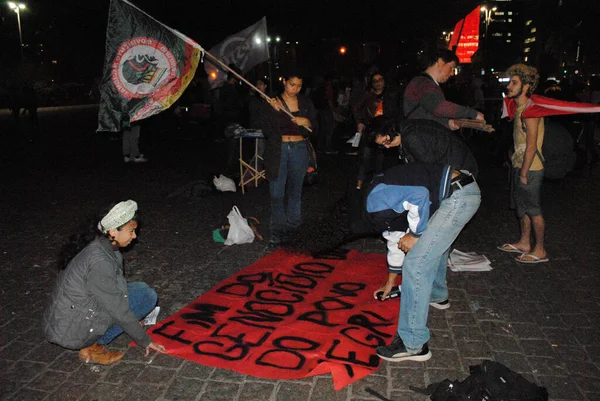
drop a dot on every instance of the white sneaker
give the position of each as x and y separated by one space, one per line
140 159
126 159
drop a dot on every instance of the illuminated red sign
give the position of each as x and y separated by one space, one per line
465 39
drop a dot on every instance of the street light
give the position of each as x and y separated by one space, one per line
17 8
487 18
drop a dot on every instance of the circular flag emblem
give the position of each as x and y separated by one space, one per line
142 65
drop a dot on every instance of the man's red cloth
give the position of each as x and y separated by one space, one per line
542 106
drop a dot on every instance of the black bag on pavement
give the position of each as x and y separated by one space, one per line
490 381
311 173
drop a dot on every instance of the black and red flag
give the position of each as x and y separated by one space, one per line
147 66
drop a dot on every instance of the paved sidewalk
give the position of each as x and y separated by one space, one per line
542 321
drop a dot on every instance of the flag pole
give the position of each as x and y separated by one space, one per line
265 96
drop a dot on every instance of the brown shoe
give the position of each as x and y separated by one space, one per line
99 354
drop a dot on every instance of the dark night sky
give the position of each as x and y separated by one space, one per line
76 28
208 22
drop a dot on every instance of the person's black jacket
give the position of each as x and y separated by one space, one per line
430 142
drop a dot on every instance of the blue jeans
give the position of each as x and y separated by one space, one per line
142 300
292 169
424 270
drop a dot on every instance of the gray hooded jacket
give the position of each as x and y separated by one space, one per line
89 297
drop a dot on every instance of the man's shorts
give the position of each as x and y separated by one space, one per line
527 197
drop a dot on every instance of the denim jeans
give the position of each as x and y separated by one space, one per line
292 169
142 300
424 270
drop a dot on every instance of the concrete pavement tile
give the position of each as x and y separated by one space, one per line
48 381
45 352
90 373
438 322
5 364
255 391
24 371
103 392
16 350
402 377
537 348
67 362
123 372
439 375
459 306
572 353
527 330
467 333
142 392
586 335
575 320
473 349
216 391
516 362
594 352
156 375
68 392
27 394
560 387
560 337
461 319
377 383
503 343
547 366
8 387
497 327
227 376
184 389
195 370
408 396
587 385
578 368
548 320
167 361
32 336
441 339
448 359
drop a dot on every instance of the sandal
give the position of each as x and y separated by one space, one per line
510 248
532 259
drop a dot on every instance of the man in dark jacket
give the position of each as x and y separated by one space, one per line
426 141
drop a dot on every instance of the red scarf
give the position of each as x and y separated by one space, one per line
541 106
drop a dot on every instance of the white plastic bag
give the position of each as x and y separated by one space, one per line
224 183
239 230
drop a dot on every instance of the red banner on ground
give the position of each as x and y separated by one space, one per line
288 317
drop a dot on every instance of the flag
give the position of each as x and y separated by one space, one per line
466 36
542 106
147 66
245 49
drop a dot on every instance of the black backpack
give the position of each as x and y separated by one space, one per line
490 381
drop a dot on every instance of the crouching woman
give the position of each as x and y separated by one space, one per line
91 302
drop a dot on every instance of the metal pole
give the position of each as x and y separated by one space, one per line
20 35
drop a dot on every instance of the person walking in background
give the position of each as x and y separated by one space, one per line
424 99
376 102
257 106
324 100
528 167
286 155
231 107
131 140
91 302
